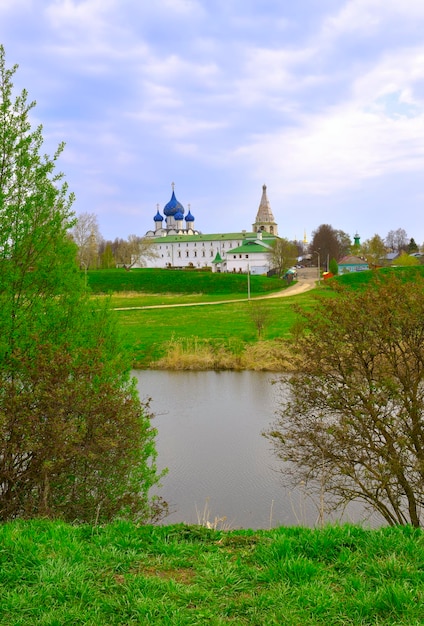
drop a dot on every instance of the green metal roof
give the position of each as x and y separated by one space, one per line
216 237
251 247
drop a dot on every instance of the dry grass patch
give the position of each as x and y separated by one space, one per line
200 355
271 356
183 575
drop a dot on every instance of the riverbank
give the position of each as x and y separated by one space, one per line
166 332
122 574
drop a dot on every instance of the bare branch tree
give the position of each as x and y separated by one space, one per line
87 236
397 240
355 418
135 251
260 315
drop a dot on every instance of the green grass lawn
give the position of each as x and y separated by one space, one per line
55 574
148 333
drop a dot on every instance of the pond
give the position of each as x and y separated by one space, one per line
210 428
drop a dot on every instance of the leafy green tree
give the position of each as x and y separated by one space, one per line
374 250
75 440
412 246
406 260
353 426
334 268
284 254
107 260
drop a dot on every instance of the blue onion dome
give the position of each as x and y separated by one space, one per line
173 206
179 215
158 217
189 217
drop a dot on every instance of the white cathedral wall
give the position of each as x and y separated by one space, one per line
185 254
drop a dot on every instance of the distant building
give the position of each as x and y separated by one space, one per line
388 258
352 263
180 245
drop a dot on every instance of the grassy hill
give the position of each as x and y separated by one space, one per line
357 280
163 281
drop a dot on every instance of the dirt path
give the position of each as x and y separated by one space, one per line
306 280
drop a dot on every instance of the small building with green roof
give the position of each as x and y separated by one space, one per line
352 263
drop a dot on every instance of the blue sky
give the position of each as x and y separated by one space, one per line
321 100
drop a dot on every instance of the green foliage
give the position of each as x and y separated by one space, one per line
107 260
406 260
284 255
75 441
122 574
354 426
374 250
412 246
334 268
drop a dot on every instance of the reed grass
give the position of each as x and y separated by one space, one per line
197 354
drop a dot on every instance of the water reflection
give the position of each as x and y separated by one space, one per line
209 436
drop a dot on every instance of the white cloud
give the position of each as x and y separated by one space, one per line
86 13
367 17
268 71
11 6
174 68
337 151
399 71
183 7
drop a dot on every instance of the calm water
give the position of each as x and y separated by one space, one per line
209 436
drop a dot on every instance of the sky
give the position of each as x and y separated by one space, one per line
321 100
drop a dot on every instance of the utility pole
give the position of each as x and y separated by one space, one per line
319 267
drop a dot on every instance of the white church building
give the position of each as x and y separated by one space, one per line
179 244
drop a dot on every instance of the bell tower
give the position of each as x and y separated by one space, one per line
265 221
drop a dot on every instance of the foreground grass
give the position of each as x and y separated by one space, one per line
56 574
